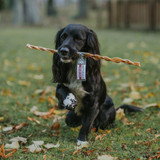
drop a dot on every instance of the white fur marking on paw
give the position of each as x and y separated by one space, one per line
82 144
69 99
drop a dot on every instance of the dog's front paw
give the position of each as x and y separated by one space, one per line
70 102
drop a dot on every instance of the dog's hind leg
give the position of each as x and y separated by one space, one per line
72 120
106 115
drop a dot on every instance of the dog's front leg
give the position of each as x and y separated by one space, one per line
66 98
88 120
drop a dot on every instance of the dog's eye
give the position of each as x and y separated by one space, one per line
63 37
78 39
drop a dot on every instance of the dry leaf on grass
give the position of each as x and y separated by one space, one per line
5 129
17 139
12 145
77 151
34 108
50 145
120 114
1 119
34 148
127 100
100 136
2 152
151 105
106 157
21 125
77 129
134 95
38 113
33 120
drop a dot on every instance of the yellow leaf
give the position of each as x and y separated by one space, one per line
77 129
134 95
1 119
119 113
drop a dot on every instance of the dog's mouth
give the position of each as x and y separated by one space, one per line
66 60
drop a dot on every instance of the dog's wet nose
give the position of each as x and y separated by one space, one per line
64 51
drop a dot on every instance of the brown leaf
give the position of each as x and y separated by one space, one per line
88 152
100 136
56 125
21 125
77 151
33 120
149 129
117 129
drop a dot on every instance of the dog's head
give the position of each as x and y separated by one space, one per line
69 40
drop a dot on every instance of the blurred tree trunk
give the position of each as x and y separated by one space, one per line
31 12
2 5
51 9
83 5
17 12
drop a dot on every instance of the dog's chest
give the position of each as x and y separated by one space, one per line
75 87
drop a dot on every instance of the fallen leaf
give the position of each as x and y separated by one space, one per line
106 157
117 129
17 139
77 151
149 129
21 125
127 100
119 113
56 124
34 108
38 113
76 129
88 152
50 145
51 100
134 95
33 148
104 131
100 136
5 129
157 135
33 120
1 119
2 152
38 143
12 145
151 105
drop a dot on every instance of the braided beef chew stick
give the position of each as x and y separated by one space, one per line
94 56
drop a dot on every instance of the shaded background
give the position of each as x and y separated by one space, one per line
124 14
53 13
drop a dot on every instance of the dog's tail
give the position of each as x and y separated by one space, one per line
130 108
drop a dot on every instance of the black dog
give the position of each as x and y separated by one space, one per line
87 101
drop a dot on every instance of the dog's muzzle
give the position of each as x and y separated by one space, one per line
64 53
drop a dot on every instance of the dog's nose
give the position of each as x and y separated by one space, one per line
64 51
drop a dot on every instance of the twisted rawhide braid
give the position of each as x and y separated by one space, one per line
94 56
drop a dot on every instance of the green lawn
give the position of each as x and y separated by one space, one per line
23 71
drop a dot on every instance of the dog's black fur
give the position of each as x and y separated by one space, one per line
87 101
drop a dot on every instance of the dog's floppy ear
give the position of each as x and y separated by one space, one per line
58 68
92 42
57 38
92 45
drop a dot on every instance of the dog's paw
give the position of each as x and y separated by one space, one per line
82 144
70 102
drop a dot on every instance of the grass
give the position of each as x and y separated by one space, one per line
19 66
